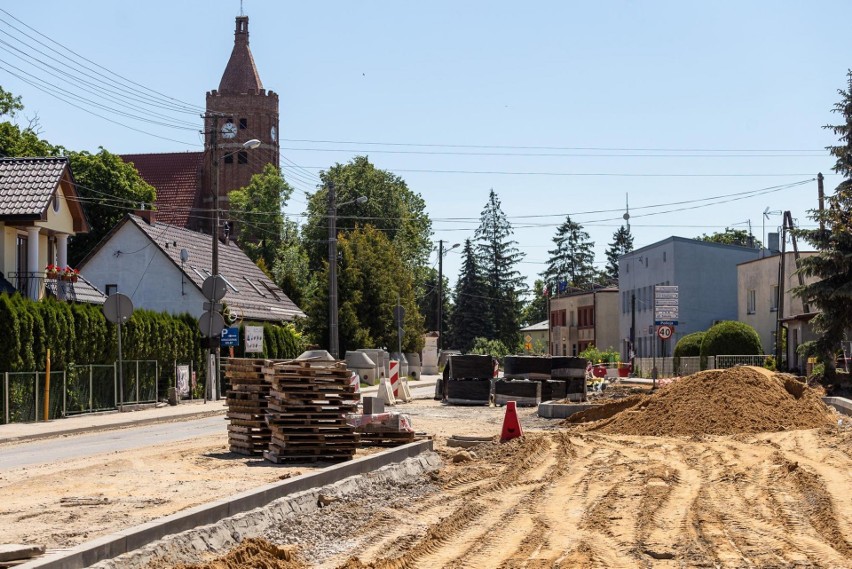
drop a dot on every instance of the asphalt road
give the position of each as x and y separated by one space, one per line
89 444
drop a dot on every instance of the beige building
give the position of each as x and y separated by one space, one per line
758 303
581 319
538 335
39 212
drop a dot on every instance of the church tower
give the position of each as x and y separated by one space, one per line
241 110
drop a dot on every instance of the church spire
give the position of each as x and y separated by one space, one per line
240 74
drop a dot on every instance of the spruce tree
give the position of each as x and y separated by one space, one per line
572 261
497 256
470 317
831 293
622 243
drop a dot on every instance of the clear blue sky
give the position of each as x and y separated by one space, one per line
751 82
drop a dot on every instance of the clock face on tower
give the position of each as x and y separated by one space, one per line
273 133
229 130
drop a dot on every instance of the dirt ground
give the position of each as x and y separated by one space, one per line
563 496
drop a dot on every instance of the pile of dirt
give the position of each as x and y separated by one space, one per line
605 410
720 402
254 553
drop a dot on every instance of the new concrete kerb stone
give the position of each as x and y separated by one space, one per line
133 538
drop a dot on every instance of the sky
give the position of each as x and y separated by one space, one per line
702 115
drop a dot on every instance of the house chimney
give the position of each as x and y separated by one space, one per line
149 215
772 242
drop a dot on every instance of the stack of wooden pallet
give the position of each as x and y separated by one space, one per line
248 432
383 429
307 411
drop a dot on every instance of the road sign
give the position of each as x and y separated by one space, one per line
211 324
214 287
230 337
118 308
398 315
663 323
527 338
665 332
254 339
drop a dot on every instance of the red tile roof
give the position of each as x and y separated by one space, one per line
177 178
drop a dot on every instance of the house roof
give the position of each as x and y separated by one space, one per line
176 176
251 294
537 327
240 74
699 242
28 184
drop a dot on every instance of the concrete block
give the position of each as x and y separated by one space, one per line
843 405
551 410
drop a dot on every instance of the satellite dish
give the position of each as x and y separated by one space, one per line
184 255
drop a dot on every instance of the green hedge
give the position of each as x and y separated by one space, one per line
687 347
79 334
730 338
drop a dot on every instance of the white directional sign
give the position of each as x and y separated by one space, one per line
666 305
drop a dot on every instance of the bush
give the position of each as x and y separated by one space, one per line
730 338
596 356
688 347
486 347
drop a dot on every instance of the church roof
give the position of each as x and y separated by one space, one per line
177 178
240 74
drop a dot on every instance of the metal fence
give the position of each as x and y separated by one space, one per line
80 389
689 365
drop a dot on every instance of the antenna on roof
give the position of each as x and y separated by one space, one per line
241 8
626 215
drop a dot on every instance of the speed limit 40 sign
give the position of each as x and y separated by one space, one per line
665 332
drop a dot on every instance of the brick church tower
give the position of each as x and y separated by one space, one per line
241 110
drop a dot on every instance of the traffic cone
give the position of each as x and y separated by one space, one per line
511 426
385 392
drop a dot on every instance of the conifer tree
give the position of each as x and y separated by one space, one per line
572 261
831 293
497 256
622 243
470 317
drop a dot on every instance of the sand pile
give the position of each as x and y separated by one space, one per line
254 553
717 402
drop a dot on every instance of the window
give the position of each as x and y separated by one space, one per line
664 256
586 317
773 298
751 301
243 124
229 159
242 157
111 289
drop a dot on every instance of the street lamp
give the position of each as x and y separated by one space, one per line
213 358
333 206
441 289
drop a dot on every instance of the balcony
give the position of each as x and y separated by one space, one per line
37 286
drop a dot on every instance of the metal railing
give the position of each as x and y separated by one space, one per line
689 365
37 285
80 389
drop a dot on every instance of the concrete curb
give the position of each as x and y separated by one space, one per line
551 410
843 405
116 544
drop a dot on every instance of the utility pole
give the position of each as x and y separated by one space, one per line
632 353
440 294
333 345
212 359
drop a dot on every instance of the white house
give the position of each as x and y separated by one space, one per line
161 267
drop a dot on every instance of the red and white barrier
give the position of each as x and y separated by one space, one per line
398 386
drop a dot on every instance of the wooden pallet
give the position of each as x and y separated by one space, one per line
306 411
387 439
246 398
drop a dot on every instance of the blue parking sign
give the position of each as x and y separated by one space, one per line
230 337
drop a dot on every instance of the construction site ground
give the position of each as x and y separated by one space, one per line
563 496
